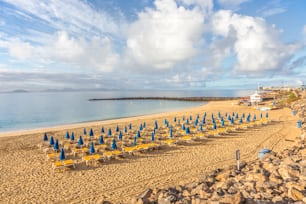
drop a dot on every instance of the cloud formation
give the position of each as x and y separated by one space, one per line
164 36
170 43
256 45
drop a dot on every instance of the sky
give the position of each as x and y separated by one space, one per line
151 44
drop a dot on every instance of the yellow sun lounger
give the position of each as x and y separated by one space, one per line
94 157
169 142
63 164
81 150
111 154
52 156
130 150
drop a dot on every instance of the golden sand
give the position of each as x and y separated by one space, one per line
26 176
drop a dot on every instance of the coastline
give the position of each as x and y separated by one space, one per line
90 123
119 179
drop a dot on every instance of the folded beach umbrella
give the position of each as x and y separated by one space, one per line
135 141
130 126
240 121
174 119
214 126
92 148
125 129
260 115
109 132
91 133
232 121
165 121
102 130
198 116
84 131
138 134
56 145
226 114
114 145
222 122
170 133
67 135
45 137
201 128
62 155
219 115
254 117
267 114
213 120
144 124
120 135
187 131
140 127
243 115
233 114
51 141
183 127
155 125
183 118
237 116
196 122
72 137
80 142
117 128
204 120
187 121
204 114
190 117
152 136
101 140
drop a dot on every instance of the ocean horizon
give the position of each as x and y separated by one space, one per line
33 110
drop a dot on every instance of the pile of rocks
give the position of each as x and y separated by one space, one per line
300 108
276 178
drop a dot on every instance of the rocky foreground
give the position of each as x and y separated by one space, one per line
275 178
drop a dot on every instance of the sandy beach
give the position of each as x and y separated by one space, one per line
27 177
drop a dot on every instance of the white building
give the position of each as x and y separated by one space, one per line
255 98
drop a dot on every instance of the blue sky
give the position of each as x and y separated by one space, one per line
151 44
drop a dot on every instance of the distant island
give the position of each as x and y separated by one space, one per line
168 98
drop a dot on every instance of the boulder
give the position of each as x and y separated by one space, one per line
295 194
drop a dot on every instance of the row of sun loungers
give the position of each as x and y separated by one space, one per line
103 154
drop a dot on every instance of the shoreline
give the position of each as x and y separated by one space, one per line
168 98
14 133
115 180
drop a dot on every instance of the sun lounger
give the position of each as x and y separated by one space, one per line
58 165
94 157
80 150
52 156
111 154
169 142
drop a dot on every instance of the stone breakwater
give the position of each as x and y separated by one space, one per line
275 178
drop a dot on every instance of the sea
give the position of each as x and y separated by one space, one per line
32 110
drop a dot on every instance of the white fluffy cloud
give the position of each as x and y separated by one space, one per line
256 45
304 30
61 47
162 37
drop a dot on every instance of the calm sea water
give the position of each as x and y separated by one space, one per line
19 111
